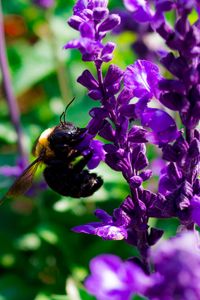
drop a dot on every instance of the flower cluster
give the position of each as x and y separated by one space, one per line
93 20
179 181
176 276
126 127
181 93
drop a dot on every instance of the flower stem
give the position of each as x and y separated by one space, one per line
63 81
9 95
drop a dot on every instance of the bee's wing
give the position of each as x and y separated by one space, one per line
24 181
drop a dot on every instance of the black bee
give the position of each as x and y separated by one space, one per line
64 171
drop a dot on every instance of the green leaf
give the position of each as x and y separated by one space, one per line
37 62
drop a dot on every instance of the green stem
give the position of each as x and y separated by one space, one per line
63 80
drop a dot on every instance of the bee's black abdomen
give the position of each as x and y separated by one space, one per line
68 183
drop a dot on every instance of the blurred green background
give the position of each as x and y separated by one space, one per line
40 257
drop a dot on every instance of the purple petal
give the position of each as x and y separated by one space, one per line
145 175
98 154
107 132
163 126
111 232
125 96
75 22
72 44
103 215
95 94
88 80
106 54
111 22
165 5
142 77
87 31
100 13
79 6
113 76
97 3
137 134
87 228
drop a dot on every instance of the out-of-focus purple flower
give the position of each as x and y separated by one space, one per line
44 3
142 77
157 165
140 46
14 171
177 279
177 266
113 279
140 9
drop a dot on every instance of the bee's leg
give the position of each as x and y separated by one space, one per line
82 162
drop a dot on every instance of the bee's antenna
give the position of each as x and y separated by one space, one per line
68 105
63 115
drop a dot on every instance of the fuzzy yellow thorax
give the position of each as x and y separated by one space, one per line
43 143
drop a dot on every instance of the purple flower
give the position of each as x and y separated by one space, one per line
177 279
163 127
107 229
93 21
116 120
44 3
182 92
113 279
177 266
14 171
128 222
142 77
93 148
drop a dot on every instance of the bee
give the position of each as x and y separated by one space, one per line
64 165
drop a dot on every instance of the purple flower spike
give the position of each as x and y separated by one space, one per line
163 127
113 279
142 77
140 9
93 20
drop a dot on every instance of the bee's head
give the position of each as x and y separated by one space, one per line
66 133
